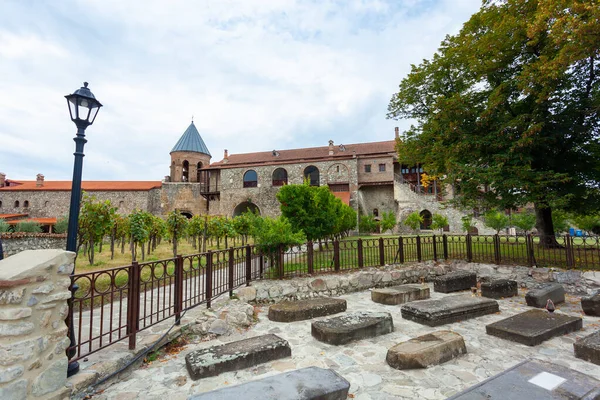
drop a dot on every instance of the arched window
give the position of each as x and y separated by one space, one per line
426 224
280 177
250 179
198 168
0 203
121 204
376 212
17 204
26 203
312 174
185 173
46 203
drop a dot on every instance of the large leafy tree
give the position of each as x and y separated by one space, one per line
512 103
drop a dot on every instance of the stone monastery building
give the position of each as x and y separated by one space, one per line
367 176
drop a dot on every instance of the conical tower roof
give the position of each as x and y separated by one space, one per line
191 141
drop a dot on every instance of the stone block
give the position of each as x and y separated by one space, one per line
588 348
591 305
534 327
431 349
448 309
236 355
8 314
16 328
532 380
15 390
310 383
499 288
10 373
288 311
454 282
539 296
53 378
400 294
351 327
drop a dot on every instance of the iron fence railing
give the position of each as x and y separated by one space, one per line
115 304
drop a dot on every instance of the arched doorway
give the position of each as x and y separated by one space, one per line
186 214
426 224
311 173
244 207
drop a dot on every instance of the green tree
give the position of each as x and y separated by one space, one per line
138 231
176 228
467 223
273 235
413 220
497 220
525 221
195 229
438 221
4 226
28 226
345 219
95 221
368 223
589 223
511 104
388 221
61 225
560 221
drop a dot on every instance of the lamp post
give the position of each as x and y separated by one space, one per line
83 108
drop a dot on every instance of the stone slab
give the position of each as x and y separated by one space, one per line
499 289
533 380
353 326
310 383
431 349
399 294
289 311
534 327
448 309
591 305
588 348
236 355
539 296
455 281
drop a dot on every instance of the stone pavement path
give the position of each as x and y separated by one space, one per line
363 362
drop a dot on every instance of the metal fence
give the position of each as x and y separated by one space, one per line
115 304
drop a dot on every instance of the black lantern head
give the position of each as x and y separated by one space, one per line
83 106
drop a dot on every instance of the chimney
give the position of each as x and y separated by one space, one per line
39 180
397 131
331 147
2 179
225 156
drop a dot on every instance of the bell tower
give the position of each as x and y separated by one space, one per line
188 156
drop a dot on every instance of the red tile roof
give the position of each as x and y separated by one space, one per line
89 186
41 221
311 154
10 216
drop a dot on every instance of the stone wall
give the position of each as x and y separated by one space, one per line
375 175
13 243
184 197
33 335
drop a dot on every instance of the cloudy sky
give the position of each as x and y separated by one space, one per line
257 75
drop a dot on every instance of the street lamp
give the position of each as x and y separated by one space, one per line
83 108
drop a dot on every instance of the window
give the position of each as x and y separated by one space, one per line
26 203
46 203
17 204
311 173
250 179
198 172
185 174
375 212
280 177
381 167
367 168
337 168
339 187
0 203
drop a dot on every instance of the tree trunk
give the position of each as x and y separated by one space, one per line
143 252
112 243
133 251
226 242
545 228
91 255
174 247
123 245
100 245
149 246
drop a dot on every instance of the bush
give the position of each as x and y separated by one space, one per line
467 223
368 224
388 221
61 225
4 226
28 226
524 221
414 220
496 220
439 221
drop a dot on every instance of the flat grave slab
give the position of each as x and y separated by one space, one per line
534 327
399 294
588 348
499 289
455 281
353 326
236 355
431 349
591 305
539 296
448 309
310 383
532 380
289 311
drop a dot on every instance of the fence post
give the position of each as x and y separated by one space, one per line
248 265
178 306
359 249
497 249
419 248
280 263
529 249
381 252
133 310
401 249
569 250
310 261
261 266
336 255
231 266
469 248
445 244
208 277
434 248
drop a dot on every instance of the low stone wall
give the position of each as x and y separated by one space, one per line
33 334
14 243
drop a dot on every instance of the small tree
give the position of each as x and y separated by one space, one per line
28 226
560 221
467 223
388 221
138 231
439 221
273 235
368 224
524 221
61 225
176 227
496 220
413 220
589 223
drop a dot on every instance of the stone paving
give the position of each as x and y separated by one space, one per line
363 362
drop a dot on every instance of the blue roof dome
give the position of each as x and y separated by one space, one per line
191 141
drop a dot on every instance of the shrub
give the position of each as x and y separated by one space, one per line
496 220
388 221
368 224
28 226
413 220
4 226
467 223
439 221
61 225
524 221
